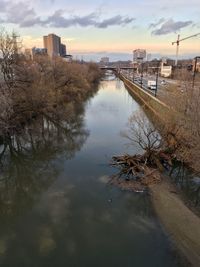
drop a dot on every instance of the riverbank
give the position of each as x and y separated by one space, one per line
52 88
179 221
178 115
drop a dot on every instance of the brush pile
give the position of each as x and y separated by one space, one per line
137 172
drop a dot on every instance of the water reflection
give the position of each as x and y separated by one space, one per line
188 182
26 160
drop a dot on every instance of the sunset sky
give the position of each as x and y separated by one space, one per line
96 28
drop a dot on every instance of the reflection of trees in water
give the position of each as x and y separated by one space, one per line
109 76
188 182
26 159
118 84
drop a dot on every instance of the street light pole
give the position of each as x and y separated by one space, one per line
157 80
141 75
133 73
195 69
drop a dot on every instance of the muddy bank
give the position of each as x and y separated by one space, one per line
179 221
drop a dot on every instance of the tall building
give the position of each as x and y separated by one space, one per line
63 50
139 55
52 43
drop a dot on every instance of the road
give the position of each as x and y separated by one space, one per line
166 87
162 82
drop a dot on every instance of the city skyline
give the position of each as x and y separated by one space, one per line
97 28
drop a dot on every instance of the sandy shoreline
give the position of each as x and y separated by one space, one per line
179 221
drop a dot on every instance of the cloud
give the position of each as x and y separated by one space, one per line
18 13
170 26
116 20
59 21
153 25
22 14
93 19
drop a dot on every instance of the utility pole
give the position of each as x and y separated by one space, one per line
141 82
195 70
157 75
177 49
129 74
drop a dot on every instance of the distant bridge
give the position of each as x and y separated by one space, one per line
117 68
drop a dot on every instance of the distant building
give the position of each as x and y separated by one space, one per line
139 55
165 71
53 45
31 53
63 50
68 58
38 52
105 60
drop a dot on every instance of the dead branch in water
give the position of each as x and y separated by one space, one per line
140 171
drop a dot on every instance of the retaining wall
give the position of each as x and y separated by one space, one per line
159 108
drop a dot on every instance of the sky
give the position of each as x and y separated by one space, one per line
97 28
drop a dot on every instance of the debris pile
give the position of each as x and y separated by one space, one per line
137 172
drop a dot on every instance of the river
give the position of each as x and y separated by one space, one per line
56 207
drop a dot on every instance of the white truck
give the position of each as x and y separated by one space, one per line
151 85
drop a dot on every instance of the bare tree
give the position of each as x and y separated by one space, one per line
184 121
144 133
9 55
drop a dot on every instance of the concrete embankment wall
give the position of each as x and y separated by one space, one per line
159 108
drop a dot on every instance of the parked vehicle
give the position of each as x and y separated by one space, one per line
136 79
140 80
163 82
151 85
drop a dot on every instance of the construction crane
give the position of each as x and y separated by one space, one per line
180 40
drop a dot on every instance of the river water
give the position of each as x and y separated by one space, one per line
56 207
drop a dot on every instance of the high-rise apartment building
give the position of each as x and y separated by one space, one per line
53 45
139 55
63 50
